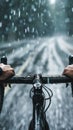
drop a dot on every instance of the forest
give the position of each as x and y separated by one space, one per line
30 18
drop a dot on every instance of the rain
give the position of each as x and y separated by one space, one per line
36 37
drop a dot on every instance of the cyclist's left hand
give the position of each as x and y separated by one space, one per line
7 71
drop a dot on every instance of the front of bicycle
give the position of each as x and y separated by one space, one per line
38 81
37 94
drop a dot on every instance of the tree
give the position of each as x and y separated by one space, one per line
69 10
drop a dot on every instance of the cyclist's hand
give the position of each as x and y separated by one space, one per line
68 71
7 71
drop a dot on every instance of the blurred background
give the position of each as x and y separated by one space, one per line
36 37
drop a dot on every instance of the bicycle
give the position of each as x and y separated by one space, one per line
39 121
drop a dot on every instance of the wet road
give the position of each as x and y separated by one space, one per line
41 55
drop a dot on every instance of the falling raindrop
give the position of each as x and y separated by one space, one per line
7 29
0 24
19 13
30 19
5 16
33 8
72 9
15 29
10 17
7 0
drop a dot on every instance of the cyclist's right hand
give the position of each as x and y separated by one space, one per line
68 71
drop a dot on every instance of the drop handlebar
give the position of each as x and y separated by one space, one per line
44 79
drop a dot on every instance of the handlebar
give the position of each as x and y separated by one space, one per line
44 80
30 80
